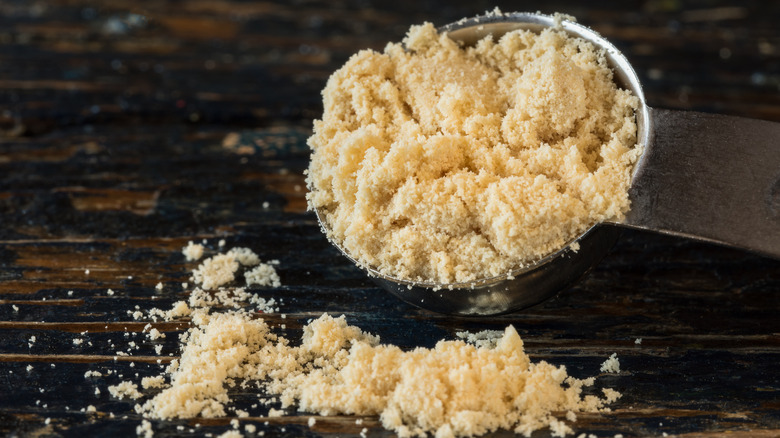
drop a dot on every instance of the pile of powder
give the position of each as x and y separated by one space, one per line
467 387
435 162
454 389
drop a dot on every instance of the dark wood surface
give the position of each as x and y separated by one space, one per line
128 128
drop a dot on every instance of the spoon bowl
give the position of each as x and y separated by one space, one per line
708 177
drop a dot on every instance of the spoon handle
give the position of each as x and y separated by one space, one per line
710 177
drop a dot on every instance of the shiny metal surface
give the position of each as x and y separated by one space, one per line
679 187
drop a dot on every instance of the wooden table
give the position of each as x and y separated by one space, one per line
129 128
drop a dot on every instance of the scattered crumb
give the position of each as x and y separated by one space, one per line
312 421
250 428
125 389
231 434
145 429
215 271
611 365
159 286
611 395
155 334
638 341
244 256
15 307
153 382
484 338
193 251
109 292
263 275
91 409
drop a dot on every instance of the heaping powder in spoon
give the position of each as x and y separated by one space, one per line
435 162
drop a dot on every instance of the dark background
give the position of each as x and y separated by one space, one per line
128 128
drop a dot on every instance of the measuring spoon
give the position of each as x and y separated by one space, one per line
706 177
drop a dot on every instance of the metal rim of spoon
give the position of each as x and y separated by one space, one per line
706 177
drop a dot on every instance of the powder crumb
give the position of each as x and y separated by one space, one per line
215 271
86 272
29 368
110 292
235 423
155 334
144 429
559 428
250 428
91 409
263 275
91 373
611 395
78 341
231 434
312 421
159 286
275 413
15 307
193 251
241 413
97 391
125 389
442 163
638 341
611 365
153 382
484 338
244 256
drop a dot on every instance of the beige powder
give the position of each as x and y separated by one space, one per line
125 389
434 162
467 387
454 389
193 251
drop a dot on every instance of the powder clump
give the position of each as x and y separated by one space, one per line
436 162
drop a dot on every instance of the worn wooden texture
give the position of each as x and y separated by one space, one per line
130 128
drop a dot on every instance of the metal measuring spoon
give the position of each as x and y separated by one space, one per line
707 177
